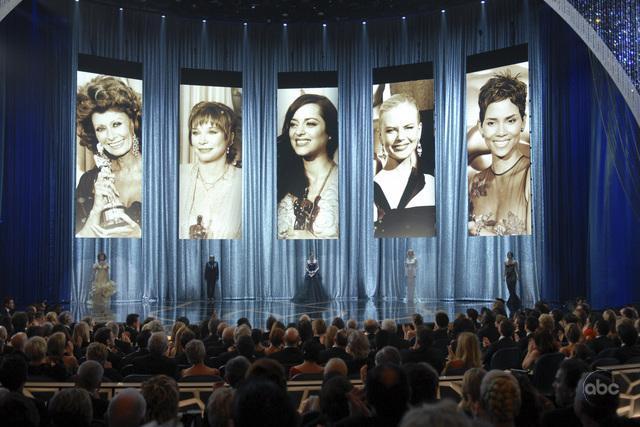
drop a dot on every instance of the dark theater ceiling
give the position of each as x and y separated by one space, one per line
286 10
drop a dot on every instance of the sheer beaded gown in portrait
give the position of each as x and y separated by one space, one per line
311 289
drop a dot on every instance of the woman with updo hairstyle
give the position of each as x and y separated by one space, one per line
211 187
500 398
108 123
500 195
307 173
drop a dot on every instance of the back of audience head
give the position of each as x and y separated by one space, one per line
18 341
259 401
305 330
97 352
19 320
269 370
442 320
567 376
17 411
389 325
424 381
245 346
36 350
338 322
335 367
195 352
161 396
471 389
441 414
126 409
388 354
276 337
424 337
90 375
627 333
291 337
370 326
358 345
500 397
71 407
544 341
352 324
387 389
157 343
506 328
13 372
235 370
334 399
599 405
219 407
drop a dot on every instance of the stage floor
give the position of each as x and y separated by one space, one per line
285 311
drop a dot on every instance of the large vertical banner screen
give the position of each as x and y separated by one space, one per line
404 151
307 187
498 143
210 155
108 148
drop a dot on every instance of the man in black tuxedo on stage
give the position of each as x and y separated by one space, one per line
211 275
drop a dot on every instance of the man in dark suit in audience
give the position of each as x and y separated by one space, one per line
132 326
601 341
156 362
629 336
423 351
564 387
290 355
488 328
441 330
505 341
370 330
142 339
530 326
394 340
338 350
225 343
212 339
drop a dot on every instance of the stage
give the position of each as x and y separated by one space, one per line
285 311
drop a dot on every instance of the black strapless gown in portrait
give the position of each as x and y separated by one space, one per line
311 289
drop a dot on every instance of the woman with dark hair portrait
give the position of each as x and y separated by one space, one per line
400 191
500 195
108 197
102 287
211 188
307 174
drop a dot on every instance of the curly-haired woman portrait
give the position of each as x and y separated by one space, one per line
308 206
211 186
500 193
109 194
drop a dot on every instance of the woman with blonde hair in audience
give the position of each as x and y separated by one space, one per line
174 340
358 348
574 336
467 355
500 398
52 317
470 402
81 339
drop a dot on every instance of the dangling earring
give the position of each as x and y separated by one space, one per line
228 149
135 149
419 149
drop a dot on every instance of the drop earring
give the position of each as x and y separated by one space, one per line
419 149
135 149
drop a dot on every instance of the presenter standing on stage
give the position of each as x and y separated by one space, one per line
102 287
311 290
511 274
211 275
410 267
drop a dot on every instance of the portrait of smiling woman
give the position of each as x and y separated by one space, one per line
308 205
500 191
211 185
109 194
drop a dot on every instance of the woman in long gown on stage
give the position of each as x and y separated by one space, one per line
102 287
511 276
311 290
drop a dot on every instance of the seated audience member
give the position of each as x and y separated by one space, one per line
276 341
319 328
370 330
423 380
142 338
219 407
388 354
81 339
290 355
89 378
470 402
105 336
352 324
628 336
358 348
530 327
259 402
126 409
132 326
235 370
18 411
532 403
335 401
16 344
388 392
423 351
335 367
330 337
19 321
212 338
310 352
70 407
564 386
13 375
601 340
98 352
438 414
507 330
156 362
467 355
185 335
499 398
488 329
269 370
339 349
391 327
196 353
574 336
441 330
256 337
57 352
39 366
542 343
161 396
121 341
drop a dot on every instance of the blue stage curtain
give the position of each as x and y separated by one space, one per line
571 252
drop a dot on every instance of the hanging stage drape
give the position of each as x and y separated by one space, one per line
39 152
